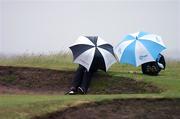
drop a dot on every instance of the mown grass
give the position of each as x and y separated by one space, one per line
26 106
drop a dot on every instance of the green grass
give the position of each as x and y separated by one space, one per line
26 106
54 61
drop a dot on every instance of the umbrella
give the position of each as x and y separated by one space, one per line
139 48
90 49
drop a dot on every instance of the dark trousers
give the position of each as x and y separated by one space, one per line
82 78
150 68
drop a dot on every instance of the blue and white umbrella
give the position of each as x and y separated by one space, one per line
93 49
139 48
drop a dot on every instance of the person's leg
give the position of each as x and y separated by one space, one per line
86 81
78 78
145 68
154 70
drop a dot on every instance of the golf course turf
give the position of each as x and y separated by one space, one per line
34 87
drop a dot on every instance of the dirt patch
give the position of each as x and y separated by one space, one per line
34 79
121 109
37 80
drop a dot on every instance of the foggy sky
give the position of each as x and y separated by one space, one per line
45 26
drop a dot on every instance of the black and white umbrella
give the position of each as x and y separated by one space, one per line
89 49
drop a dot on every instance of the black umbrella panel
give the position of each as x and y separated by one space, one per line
93 52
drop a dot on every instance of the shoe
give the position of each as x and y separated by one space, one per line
71 92
81 91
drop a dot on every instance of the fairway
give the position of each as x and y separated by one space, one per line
19 104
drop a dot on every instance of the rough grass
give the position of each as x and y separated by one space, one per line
54 61
27 106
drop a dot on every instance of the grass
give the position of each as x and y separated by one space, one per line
54 61
26 106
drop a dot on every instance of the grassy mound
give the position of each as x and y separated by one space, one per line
36 80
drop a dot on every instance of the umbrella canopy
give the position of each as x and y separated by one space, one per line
93 49
139 48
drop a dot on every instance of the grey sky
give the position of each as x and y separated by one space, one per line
45 26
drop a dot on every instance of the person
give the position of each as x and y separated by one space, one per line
153 68
81 80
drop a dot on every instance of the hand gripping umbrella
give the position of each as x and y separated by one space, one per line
139 48
90 49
